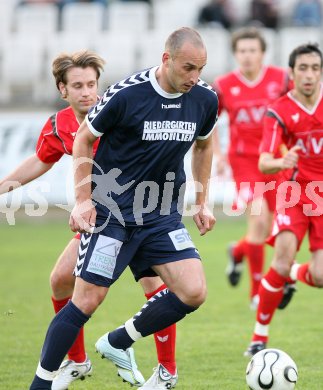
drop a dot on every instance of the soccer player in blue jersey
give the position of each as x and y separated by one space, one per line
129 203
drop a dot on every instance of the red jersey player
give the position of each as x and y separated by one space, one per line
76 77
245 94
297 120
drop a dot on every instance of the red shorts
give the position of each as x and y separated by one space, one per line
305 215
250 182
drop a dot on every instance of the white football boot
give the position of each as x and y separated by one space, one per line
123 359
161 379
69 371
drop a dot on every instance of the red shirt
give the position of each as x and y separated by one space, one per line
289 122
57 136
246 104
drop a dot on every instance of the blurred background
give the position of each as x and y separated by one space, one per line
130 36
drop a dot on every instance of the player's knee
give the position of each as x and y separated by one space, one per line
54 281
88 303
282 266
318 279
61 284
261 226
195 295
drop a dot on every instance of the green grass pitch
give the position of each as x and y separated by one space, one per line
210 342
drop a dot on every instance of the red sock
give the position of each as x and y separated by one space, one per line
165 341
77 350
304 275
239 250
270 294
256 260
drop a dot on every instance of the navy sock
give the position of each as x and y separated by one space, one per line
61 335
161 311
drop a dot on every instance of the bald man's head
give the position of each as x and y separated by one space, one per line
181 36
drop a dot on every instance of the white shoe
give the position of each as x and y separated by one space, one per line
160 379
69 372
123 359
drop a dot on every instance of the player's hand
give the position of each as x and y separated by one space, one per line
204 220
290 159
82 218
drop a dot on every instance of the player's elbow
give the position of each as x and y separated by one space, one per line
261 167
264 165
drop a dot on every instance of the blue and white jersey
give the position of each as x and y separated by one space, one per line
138 171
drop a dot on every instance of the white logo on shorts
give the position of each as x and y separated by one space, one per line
181 239
104 256
283 219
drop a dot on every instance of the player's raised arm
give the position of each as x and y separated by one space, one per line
83 215
269 164
29 170
202 153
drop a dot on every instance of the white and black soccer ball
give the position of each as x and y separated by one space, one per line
271 369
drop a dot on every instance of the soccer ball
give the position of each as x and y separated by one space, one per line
271 369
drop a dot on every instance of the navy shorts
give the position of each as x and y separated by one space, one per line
104 256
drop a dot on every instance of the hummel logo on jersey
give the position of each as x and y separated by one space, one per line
295 117
168 106
163 339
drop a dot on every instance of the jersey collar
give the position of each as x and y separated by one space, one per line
299 104
254 82
157 87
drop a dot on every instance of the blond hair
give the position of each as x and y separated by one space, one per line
78 59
